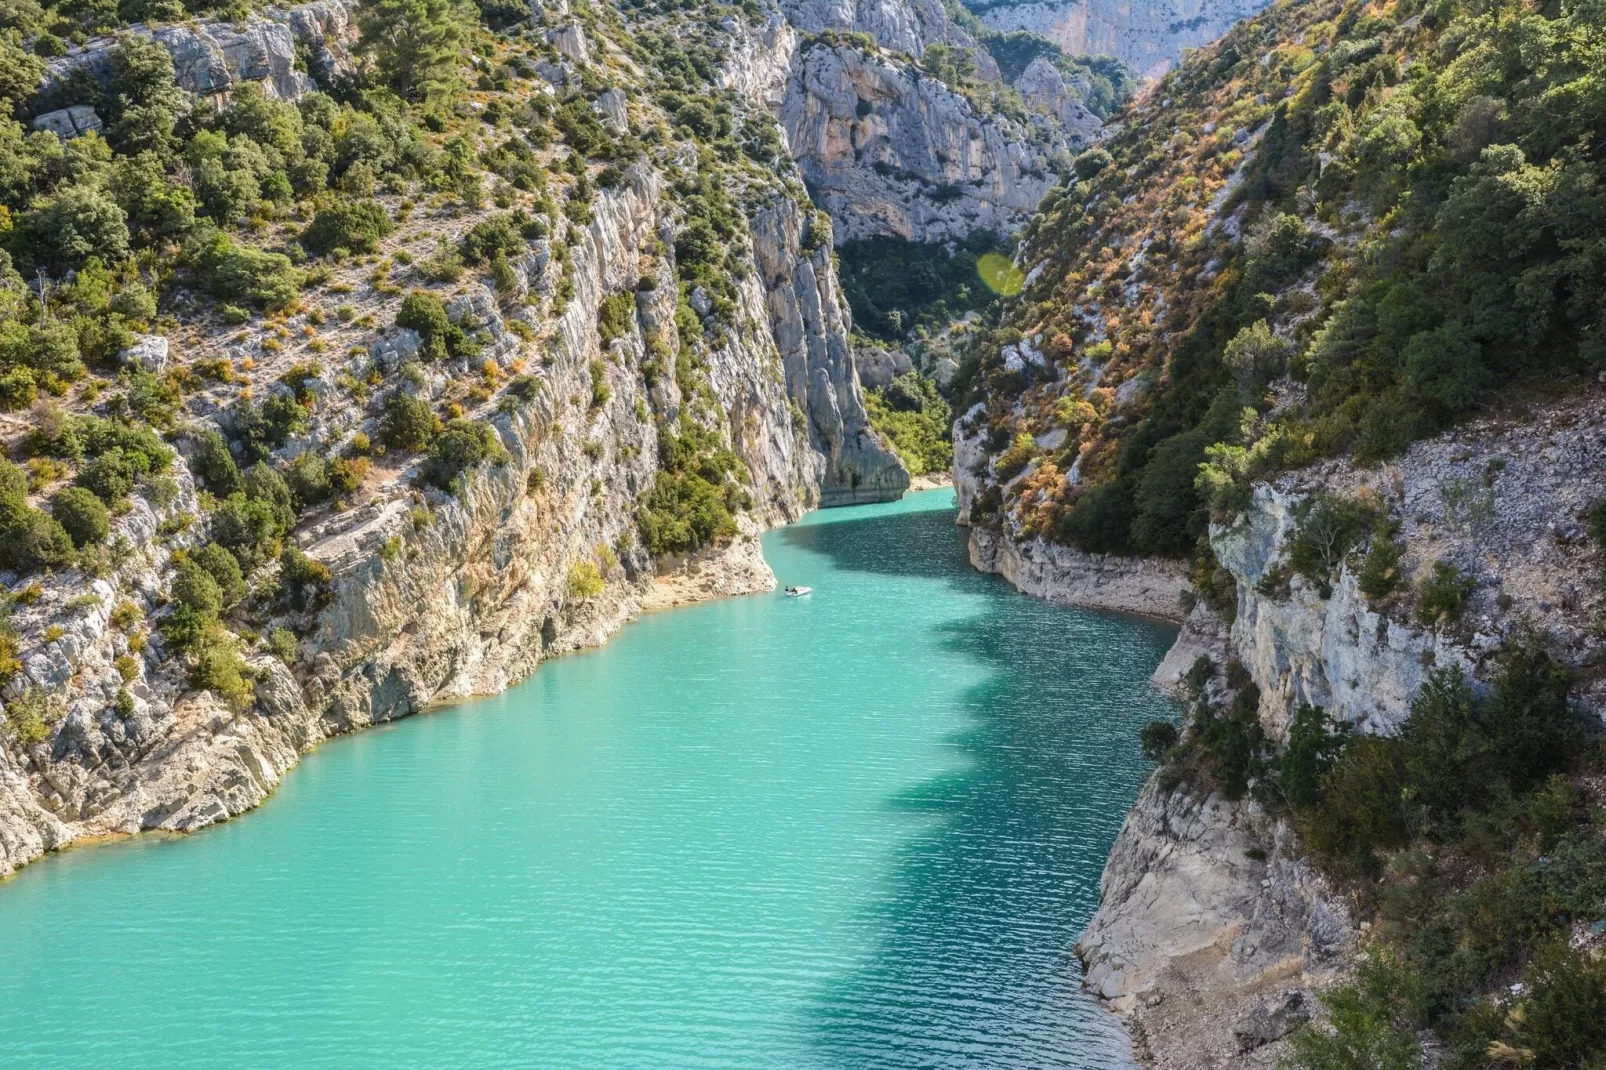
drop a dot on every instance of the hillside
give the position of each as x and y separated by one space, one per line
1320 325
355 358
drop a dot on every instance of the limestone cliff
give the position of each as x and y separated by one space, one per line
435 595
1213 932
1148 37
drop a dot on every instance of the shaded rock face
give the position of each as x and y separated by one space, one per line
1147 36
472 594
1043 87
810 322
889 152
907 26
210 58
70 122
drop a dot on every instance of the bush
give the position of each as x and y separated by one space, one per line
1562 1017
194 588
249 528
484 240
1371 1023
408 423
1380 574
1362 809
224 568
464 444
283 644
305 581
1442 597
1236 740
585 580
424 313
1329 528
1315 743
1156 738
82 515
600 391
616 317
354 226
214 463
219 668
266 280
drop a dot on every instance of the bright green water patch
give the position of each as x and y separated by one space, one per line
859 829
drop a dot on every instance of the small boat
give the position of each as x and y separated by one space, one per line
798 592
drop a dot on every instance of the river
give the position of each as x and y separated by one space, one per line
858 829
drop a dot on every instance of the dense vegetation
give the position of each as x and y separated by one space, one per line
1472 837
912 414
895 287
315 355
1395 211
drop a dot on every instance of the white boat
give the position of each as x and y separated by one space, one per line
797 592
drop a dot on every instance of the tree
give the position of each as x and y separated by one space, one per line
1156 738
355 227
146 104
413 44
79 222
408 423
82 515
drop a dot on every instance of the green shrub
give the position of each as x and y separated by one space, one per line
218 667
408 423
1371 1023
461 446
306 581
224 568
194 588
490 237
250 528
1315 742
1362 809
585 580
214 463
356 226
1561 1019
233 273
912 414
600 391
1443 595
1329 528
1380 574
1156 738
283 644
31 717
616 317
423 312
82 515
1236 740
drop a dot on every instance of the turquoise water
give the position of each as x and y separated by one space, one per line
860 829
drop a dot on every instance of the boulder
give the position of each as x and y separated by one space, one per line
69 122
149 351
570 41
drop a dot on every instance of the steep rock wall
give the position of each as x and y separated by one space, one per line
1213 932
888 151
438 596
1147 36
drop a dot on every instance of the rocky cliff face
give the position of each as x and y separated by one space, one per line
1148 37
889 151
436 596
209 58
1213 931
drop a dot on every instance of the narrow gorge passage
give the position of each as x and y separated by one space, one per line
858 829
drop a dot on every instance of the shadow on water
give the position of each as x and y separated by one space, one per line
972 962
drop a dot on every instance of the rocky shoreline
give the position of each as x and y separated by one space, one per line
1214 933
